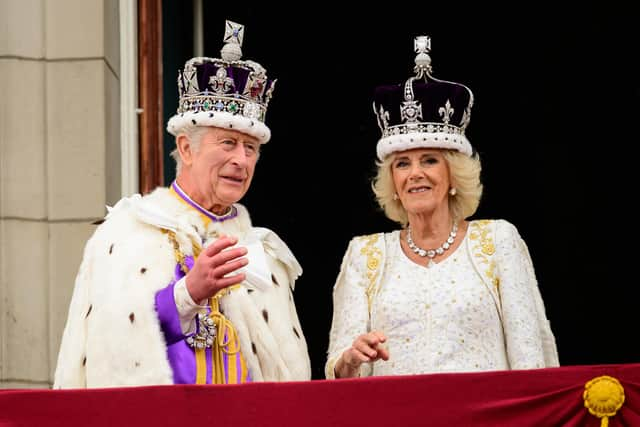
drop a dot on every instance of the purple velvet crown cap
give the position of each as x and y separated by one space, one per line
423 112
225 92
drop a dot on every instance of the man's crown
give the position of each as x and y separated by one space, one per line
224 92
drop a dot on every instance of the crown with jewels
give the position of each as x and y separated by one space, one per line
224 92
424 112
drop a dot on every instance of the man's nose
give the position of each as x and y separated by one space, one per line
239 155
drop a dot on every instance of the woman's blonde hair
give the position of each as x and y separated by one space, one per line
464 172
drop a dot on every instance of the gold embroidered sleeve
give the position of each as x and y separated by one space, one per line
353 293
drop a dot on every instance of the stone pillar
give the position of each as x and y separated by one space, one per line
59 167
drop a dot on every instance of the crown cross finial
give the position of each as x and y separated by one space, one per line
233 32
233 35
422 46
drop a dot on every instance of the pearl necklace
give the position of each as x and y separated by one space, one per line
431 253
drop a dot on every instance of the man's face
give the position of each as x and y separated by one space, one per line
222 167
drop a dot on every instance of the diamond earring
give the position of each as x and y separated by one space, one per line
453 191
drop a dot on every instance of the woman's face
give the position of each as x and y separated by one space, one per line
421 179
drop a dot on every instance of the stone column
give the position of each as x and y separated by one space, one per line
59 167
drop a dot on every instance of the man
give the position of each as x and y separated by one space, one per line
178 286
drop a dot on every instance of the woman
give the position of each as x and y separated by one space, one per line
443 294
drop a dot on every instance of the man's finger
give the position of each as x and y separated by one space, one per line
226 255
229 281
220 244
224 269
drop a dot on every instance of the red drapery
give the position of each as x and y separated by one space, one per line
541 397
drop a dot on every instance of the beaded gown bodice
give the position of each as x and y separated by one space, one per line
436 319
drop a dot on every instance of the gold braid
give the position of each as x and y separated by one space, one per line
177 253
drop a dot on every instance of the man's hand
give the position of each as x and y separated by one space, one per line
209 272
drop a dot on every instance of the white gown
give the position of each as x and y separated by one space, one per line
444 318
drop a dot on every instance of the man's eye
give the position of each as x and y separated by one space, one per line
229 142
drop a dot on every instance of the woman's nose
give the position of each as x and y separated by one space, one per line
415 173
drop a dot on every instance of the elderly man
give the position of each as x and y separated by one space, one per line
178 286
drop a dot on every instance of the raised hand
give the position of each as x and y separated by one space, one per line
209 273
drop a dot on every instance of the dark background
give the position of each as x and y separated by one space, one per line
556 100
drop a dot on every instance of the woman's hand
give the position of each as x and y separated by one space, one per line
367 347
209 272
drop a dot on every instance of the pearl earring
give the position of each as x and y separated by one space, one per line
395 196
453 191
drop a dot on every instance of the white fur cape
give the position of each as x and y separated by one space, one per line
113 337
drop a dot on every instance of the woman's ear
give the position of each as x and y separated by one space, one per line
185 149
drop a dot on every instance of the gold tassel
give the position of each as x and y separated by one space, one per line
226 341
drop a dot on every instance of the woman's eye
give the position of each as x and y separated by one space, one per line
401 163
430 160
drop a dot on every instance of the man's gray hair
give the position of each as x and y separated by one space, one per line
195 134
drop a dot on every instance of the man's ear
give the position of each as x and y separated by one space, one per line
185 149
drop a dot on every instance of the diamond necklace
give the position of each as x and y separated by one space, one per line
431 253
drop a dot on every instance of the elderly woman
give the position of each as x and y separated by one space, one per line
178 286
443 294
